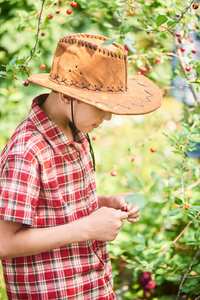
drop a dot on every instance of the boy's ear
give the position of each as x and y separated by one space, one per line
66 99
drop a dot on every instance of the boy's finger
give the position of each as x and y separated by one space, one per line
135 215
123 215
134 209
133 220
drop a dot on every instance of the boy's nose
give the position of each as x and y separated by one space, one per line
107 116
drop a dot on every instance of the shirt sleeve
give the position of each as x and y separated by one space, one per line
19 190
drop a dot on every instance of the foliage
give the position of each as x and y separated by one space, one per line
166 242
166 239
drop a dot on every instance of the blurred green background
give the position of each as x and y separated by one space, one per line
124 144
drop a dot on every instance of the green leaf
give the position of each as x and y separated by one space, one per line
20 61
198 69
139 239
137 199
161 20
145 26
173 212
197 235
171 23
22 76
108 42
3 74
178 201
139 248
196 207
186 126
144 263
139 63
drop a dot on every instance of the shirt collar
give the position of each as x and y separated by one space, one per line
50 130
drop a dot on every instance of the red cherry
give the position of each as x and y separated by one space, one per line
132 158
94 137
131 13
179 40
138 73
195 6
58 11
177 206
73 4
42 67
186 205
153 149
126 48
50 16
69 11
182 49
113 173
194 51
177 34
124 208
188 68
43 33
26 83
143 70
158 60
191 41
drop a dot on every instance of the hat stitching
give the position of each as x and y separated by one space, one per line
98 88
53 77
73 83
72 39
63 80
85 86
56 77
120 89
110 89
124 106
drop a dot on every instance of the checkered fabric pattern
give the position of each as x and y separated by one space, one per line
48 180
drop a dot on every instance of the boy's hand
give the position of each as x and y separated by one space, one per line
104 223
118 201
133 212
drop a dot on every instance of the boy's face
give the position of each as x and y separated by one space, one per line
87 117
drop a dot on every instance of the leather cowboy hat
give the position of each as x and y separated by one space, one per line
87 68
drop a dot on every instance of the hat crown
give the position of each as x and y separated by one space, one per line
83 61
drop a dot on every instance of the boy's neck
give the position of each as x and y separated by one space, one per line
57 111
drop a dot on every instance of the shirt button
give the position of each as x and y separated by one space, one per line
90 208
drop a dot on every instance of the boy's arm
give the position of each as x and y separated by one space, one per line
16 241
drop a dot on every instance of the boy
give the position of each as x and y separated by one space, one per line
53 226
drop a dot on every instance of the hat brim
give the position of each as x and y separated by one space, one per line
142 96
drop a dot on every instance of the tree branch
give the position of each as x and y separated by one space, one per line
190 266
37 36
180 234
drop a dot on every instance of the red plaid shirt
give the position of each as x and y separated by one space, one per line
48 180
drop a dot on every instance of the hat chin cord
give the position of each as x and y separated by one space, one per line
88 138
